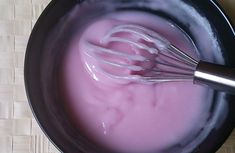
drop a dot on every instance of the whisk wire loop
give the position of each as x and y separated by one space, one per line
170 63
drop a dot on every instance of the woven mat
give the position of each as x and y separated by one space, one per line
19 132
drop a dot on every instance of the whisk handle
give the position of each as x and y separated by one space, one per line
216 76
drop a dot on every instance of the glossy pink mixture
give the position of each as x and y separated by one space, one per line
125 116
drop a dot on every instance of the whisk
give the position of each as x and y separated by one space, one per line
171 63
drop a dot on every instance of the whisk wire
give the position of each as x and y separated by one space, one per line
170 64
182 55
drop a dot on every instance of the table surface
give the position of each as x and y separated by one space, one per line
19 132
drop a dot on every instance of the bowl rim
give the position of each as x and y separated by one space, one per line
28 86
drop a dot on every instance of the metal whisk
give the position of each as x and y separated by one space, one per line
170 63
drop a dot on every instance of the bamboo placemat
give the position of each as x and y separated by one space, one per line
19 132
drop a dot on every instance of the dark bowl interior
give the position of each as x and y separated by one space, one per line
44 97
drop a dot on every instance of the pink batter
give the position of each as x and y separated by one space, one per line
131 117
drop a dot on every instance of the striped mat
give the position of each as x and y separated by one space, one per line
19 132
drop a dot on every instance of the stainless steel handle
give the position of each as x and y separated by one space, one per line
216 76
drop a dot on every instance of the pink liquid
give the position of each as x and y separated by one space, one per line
132 117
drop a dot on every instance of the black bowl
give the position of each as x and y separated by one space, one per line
41 81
